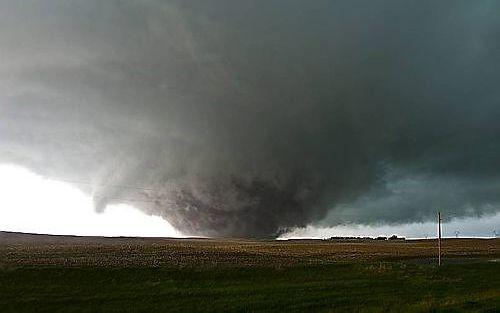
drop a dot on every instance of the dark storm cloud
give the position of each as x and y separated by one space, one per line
250 117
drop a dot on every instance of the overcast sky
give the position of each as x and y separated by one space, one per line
253 118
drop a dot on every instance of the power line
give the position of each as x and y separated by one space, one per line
87 183
100 184
439 238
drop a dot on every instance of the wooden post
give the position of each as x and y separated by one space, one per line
439 238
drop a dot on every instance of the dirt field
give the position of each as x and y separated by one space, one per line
90 274
26 249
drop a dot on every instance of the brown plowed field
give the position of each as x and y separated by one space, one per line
27 249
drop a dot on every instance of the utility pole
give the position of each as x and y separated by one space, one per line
439 238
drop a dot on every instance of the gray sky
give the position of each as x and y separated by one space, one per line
249 118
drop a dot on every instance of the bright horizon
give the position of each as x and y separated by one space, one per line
34 204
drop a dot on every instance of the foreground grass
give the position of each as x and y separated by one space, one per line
359 287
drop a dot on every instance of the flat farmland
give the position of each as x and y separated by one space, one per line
40 273
26 249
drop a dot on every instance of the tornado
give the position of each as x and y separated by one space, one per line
251 118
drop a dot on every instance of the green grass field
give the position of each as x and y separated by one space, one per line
362 284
